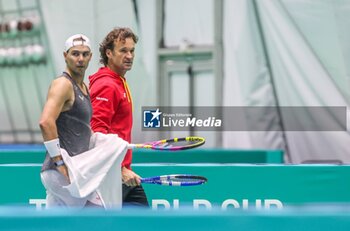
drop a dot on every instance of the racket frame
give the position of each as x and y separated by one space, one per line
156 144
167 180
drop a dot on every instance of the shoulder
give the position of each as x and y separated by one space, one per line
105 83
62 81
61 85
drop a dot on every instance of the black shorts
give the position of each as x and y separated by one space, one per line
134 196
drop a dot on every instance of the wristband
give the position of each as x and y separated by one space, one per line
59 163
53 147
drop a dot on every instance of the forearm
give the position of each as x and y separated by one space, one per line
51 142
48 130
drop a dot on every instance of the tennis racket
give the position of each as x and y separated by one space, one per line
175 180
175 144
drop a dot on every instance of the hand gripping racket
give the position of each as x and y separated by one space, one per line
175 180
175 144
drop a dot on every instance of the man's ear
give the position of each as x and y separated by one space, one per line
108 53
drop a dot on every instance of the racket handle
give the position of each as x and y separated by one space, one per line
131 146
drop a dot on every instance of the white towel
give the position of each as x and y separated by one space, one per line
98 170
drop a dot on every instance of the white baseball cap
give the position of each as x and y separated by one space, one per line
77 40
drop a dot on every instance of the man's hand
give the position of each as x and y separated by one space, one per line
62 168
130 178
64 171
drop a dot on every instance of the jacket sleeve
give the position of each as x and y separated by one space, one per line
103 97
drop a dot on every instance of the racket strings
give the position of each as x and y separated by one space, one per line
175 144
176 180
180 142
182 182
186 180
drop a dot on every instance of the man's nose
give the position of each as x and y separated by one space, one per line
129 55
81 57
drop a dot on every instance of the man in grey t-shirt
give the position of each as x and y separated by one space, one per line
65 122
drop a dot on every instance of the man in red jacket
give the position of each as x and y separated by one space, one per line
112 103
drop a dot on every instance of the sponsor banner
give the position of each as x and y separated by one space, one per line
229 186
164 204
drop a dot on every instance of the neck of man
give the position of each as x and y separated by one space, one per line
77 77
117 71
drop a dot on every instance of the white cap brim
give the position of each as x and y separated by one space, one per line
77 40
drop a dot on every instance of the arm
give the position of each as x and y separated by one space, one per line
59 99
